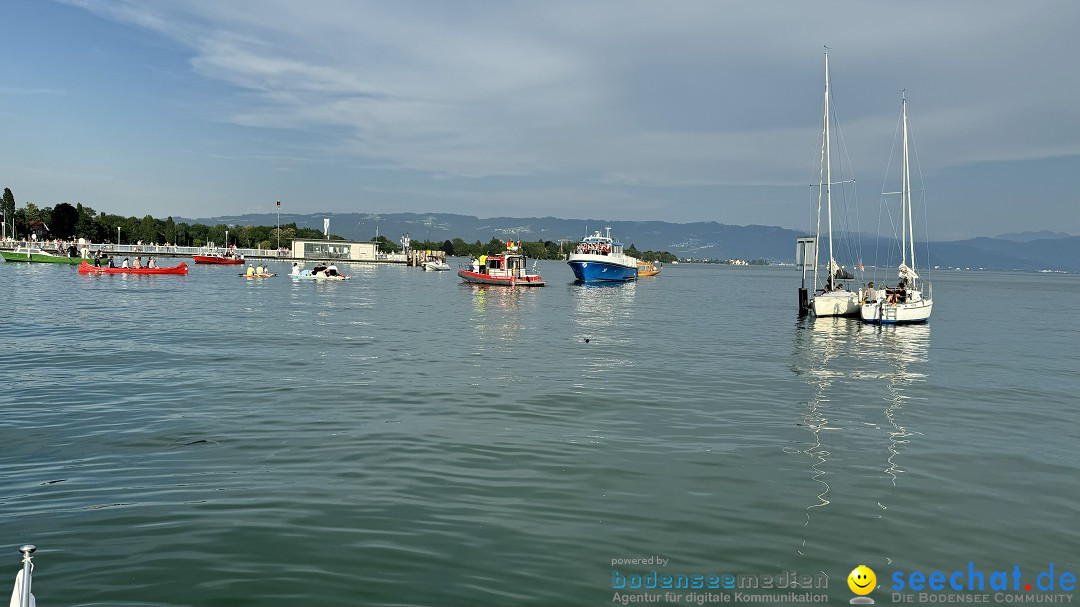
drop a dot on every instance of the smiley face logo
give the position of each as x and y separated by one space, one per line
862 580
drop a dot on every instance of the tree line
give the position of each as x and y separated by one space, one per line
69 222
539 249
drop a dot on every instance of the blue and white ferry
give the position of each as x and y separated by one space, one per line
599 258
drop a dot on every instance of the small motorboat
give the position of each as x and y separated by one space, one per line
264 275
85 268
647 268
507 269
220 259
34 254
318 276
435 265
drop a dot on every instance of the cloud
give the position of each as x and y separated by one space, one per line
634 93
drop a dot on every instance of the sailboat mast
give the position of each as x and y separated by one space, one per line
909 235
821 173
828 170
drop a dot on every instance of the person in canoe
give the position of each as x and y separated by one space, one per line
151 262
250 270
319 269
126 264
295 269
137 263
332 270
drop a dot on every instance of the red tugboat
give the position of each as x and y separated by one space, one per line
506 269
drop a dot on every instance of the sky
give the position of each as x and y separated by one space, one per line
684 111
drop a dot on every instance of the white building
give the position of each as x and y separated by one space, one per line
336 250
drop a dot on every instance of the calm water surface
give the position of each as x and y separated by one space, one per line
403 439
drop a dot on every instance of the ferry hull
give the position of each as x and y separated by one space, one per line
599 271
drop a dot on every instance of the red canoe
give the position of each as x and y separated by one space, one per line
85 268
218 259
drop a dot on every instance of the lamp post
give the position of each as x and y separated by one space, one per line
279 226
226 240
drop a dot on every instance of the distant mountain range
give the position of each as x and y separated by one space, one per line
701 240
1029 236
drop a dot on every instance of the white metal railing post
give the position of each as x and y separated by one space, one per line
28 567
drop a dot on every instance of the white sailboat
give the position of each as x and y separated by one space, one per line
905 303
832 298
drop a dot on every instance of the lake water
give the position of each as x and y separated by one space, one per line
404 439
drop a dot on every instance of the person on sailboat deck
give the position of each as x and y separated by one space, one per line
897 295
869 296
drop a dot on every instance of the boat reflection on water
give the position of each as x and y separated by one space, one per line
602 305
904 347
851 369
497 309
604 315
818 343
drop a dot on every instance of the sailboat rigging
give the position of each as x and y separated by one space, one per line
906 303
832 299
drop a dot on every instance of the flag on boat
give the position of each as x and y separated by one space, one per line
16 593
279 203
860 261
326 227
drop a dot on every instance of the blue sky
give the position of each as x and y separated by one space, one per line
623 110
